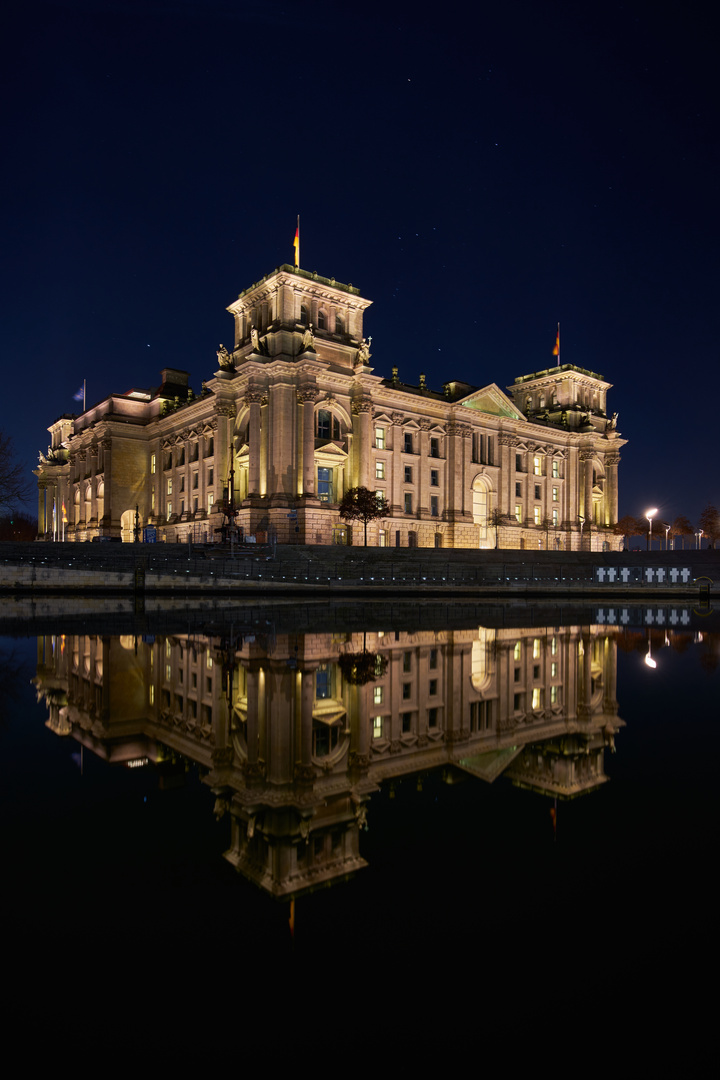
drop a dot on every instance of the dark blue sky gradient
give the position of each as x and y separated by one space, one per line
478 177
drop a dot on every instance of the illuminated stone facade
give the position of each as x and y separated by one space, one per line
295 415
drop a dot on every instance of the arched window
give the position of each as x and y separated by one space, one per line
328 425
303 315
339 324
322 320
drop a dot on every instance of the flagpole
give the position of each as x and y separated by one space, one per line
296 244
83 395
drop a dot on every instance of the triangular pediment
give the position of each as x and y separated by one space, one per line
491 400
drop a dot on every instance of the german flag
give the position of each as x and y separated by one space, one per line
296 243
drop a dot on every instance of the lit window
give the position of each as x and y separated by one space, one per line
380 494
556 518
536 648
556 469
153 461
554 694
168 673
151 694
433 506
537 466
324 484
377 727
152 500
434 478
209 661
169 510
377 695
518 514
379 470
553 670
553 646
537 698
380 438
169 487
211 500
537 513
556 494
384 538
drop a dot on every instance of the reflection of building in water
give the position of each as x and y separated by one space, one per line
293 749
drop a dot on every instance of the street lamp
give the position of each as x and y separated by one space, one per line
649 514
667 530
582 522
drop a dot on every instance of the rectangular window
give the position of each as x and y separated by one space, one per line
553 646
556 518
407 661
377 727
324 484
383 537
408 445
379 438
380 494
536 671
433 659
195 481
182 483
210 476
210 447
408 474
377 695
408 503
432 717
490 450
195 504
169 510
518 650
537 513
556 494
537 491
518 491
518 514
537 466
556 469
433 687
536 648
379 470
516 674
406 722
169 487
434 478
152 501
518 463
554 690
182 506
553 670
433 506
407 691
434 447
181 457
153 462
211 500
537 698
517 702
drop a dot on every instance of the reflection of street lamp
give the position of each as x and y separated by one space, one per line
648 659
649 514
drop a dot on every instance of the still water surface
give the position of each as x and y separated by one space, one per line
537 797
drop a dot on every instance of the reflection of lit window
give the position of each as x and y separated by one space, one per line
518 650
536 648
537 698
553 671
553 646
168 672
209 661
211 500
377 727
554 694
151 694
322 682
378 695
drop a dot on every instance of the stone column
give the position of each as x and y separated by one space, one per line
396 494
252 400
455 477
107 473
611 488
308 397
507 473
41 508
586 457
362 414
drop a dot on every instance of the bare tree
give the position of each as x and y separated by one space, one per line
14 484
709 522
495 519
361 504
625 527
681 527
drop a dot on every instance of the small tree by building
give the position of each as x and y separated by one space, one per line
14 485
625 527
361 504
495 519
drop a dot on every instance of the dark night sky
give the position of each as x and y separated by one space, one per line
479 177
